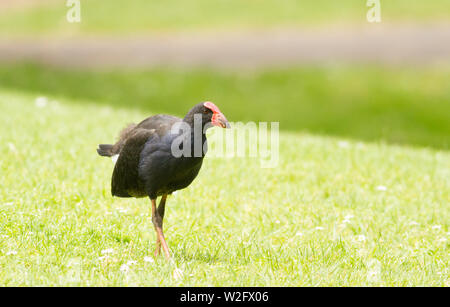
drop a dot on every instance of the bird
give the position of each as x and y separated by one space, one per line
159 156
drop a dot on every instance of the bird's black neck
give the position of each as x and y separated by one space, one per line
195 137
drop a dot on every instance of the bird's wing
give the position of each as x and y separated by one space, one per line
126 173
161 123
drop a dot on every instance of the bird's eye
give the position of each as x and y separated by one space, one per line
205 111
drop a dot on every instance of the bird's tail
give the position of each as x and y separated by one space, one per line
105 150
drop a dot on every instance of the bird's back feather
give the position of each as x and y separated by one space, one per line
125 180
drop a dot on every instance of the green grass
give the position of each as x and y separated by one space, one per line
140 16
237 225
398 105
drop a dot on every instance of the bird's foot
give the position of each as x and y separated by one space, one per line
157 251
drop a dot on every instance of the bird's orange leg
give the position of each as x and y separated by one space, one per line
161 210
157 219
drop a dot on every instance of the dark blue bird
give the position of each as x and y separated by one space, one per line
160 156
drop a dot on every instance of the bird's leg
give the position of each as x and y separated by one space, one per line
161 210
157 222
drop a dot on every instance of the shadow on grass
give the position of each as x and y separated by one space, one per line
208 258
402 106
200 257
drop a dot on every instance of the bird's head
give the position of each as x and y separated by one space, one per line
210 114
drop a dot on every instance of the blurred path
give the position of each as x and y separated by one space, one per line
391 45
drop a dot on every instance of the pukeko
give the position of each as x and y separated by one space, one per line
147 166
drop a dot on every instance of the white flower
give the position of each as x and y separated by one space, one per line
11 253
12 147
343 144
319 228
277 222
373 276
131 262
108 251
414 223
124 268
348 217
436 227
381 188
361 238
41 102
149 259
299 234
442 240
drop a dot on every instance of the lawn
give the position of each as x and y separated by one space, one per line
112 17
336 211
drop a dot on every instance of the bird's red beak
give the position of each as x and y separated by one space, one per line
218 119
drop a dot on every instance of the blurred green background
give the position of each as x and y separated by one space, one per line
405 105
398 105
118 17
